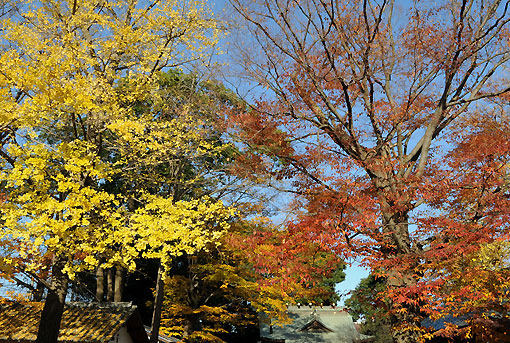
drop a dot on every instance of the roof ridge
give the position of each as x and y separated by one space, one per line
99 305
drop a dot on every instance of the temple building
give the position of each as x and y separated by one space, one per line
313 324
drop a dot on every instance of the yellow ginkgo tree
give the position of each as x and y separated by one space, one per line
73 77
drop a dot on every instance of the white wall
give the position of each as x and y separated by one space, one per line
122 336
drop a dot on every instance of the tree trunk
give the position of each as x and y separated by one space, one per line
158 304
119 283
109 284
397 227
193 325
100 284
51 315
38 292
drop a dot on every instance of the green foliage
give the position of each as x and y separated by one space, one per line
367 305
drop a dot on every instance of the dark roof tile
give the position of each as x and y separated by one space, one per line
81 322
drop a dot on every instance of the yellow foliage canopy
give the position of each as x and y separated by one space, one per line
71 74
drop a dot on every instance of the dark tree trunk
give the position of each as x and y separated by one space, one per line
51 315
109 284
119 283
100 284
192 325
158 304
38 292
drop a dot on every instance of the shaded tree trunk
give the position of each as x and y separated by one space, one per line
119 283
53 310
158 303
193 324
110 284
38 292
100 284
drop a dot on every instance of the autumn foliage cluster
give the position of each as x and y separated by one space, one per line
384 122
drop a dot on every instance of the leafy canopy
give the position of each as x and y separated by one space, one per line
71 74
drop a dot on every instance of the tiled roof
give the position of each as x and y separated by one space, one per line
441 323
81 322
327 324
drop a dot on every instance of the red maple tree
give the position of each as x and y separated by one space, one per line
362 97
